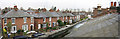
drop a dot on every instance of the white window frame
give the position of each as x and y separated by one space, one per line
50 24
12 29
70 17
63 19
44 26
57 18
12 20
44 19
39 26
66 17
6 20
32 19
25 18
49 18
32 25
25 28
54 24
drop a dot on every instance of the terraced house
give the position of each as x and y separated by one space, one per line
40 20
29 20
19 20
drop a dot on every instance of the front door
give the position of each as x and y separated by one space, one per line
31 27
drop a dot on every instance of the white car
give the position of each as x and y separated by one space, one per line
31 32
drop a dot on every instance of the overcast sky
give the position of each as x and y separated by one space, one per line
61 4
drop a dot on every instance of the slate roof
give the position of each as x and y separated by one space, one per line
18 13
78 13
51 14
30 11
82 13
61 14
69 14
38 15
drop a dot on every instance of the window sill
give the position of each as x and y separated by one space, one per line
24 22
49 20
13 23
13 31
43 21
5 23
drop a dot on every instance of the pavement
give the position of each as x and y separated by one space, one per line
104 26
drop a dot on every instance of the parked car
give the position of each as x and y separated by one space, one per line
20 37
31 32
37 34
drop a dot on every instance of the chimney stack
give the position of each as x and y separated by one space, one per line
115 4
51 10
44 10
15 8
58 10
111 3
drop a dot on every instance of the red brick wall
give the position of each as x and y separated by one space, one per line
19 22
53 19
38 21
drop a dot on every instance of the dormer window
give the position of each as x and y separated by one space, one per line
44 19
13 20
25 19
5 20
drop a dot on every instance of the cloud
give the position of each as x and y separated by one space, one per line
62 4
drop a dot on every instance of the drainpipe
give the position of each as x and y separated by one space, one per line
2 25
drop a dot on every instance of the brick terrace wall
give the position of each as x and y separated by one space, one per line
19 22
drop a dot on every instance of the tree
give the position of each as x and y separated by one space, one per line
60 22
9 25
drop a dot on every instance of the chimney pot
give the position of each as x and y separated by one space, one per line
115 4
15 8
111 3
